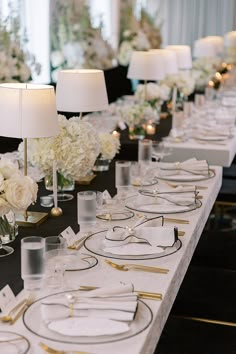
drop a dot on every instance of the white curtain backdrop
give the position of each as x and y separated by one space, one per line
187 20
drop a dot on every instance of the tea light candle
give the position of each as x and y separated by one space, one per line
150 129
210 83
116 134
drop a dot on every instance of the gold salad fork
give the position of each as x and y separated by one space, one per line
51 350
126 267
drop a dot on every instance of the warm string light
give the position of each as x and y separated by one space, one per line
116 134
150 128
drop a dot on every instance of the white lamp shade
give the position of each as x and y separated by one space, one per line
81 91
169 59
183 53
230 39
146 66
204 47
28 111
218 43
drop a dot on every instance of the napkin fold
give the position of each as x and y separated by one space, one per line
114 303
183 196
191 166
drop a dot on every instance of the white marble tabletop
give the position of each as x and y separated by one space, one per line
220 153
167 284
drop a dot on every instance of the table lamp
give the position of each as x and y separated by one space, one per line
204 48
28 111
183 53
146 66
169 60
81 90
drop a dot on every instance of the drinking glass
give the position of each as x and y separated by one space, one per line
199 100
32 262
86 203
122 178
145 151
54 243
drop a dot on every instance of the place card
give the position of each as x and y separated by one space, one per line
69 235
7 298
122 125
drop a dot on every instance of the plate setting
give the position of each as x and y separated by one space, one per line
13 343
33 321
187 177
95 244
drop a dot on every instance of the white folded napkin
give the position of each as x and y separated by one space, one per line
88 327
213 131
114 303
191 166
179 196
139 240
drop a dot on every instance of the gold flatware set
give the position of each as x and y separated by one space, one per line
14 314
129 266
51 350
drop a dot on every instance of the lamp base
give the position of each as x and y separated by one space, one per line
35 218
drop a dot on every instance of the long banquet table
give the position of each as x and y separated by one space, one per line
102 274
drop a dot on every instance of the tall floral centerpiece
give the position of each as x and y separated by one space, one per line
74 149
137 33
16 63
75 43
17 192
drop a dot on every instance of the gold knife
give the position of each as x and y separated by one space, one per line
141 294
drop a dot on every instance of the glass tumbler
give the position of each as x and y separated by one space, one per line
145 151
122 178
32 262
54 243
86 203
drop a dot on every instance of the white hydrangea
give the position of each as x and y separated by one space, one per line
183 80
153 92
204 69
75 149
109 145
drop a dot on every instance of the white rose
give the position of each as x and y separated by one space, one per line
8 168
4 207
20 192
57 58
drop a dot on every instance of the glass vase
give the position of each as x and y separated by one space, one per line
101 165
63 184
137 132
8 233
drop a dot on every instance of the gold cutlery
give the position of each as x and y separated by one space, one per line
51 350
9 317
21 311
141 294
181 185
126 267
176 221
79 243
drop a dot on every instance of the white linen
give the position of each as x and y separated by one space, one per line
115 303
190 166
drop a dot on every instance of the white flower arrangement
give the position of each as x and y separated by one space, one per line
109 145
15 62
136 114
204 70
17 192
75 43
183 80
75 149
137 34
155 94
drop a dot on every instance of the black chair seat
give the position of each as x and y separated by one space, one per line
230 172
227 192
207 292
181 336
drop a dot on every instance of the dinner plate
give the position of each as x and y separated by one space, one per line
95 244
187 177
148 206
33 321
213 138
115 216
13 343
72 260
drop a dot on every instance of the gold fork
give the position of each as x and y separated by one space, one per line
177 185
21 311
51 350
126 267
8 317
